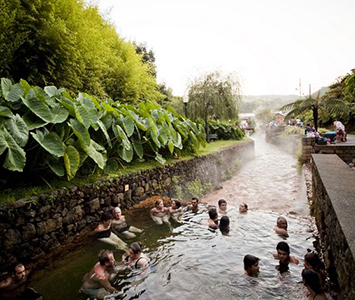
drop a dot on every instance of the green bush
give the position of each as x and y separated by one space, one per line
46 132
225 131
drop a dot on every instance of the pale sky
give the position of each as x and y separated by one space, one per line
270 44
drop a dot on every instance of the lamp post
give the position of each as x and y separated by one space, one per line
185 99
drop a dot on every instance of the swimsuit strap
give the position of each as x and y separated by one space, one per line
136 264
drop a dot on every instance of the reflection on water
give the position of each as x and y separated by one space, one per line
191 262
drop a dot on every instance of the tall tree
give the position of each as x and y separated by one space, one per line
315 103
214 96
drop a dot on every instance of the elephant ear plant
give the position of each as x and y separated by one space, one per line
48 130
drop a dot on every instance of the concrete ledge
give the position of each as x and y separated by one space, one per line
334 210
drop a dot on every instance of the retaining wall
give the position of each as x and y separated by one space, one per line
35 229
334 209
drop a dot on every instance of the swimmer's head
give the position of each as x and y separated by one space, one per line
194 202
222 204
251 264
213 214
243 207
312 262
19 272
281 223
116 212
159 203
106 217
283 250
136 248
106 258
311 280
175 203
224 225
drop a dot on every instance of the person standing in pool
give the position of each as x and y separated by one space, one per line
281 226
103 233
283 255
119 225
222 207
194 205
251 265
313 262
224 225
159 213
175 210
96 283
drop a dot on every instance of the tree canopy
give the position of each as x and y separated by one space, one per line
67 43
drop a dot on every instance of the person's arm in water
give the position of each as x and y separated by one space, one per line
281 231
294 260
211 223
107 285
6 282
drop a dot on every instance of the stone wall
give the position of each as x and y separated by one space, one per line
32 230
289 143
345 151
334 209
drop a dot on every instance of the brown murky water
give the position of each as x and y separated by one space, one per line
269 182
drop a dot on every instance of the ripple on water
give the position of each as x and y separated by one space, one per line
195 263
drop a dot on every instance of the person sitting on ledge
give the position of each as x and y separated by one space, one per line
120 226
15 287
104 234
281 226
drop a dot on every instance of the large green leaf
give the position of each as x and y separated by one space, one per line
104 130
159 158
11 92
155 139
111 166
137 145
53 91
122 135
126 155
32 121
80 131
82 115
71 161
171 146
93 152
137 120
55 164
68 104
18 129
50 141
5 112
128 124
59 114
15 159
37 107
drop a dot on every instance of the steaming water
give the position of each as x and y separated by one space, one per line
192 262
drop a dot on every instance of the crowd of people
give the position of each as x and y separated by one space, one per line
97 284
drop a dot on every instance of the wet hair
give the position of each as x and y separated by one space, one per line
283 246
194 198
220 201
246 205
311 279
249 261
177 203
104 256
213 213
136 247
116 209
224 224
314 261
105 217
156 203
279 219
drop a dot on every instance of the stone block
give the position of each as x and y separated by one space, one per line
28 232
11 239
94 205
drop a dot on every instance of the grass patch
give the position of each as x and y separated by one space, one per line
11 195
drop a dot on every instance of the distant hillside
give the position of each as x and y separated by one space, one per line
274 102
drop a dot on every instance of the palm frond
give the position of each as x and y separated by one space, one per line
292 105
336 106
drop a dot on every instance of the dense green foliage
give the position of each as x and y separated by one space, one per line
48 131
68 44
225 131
